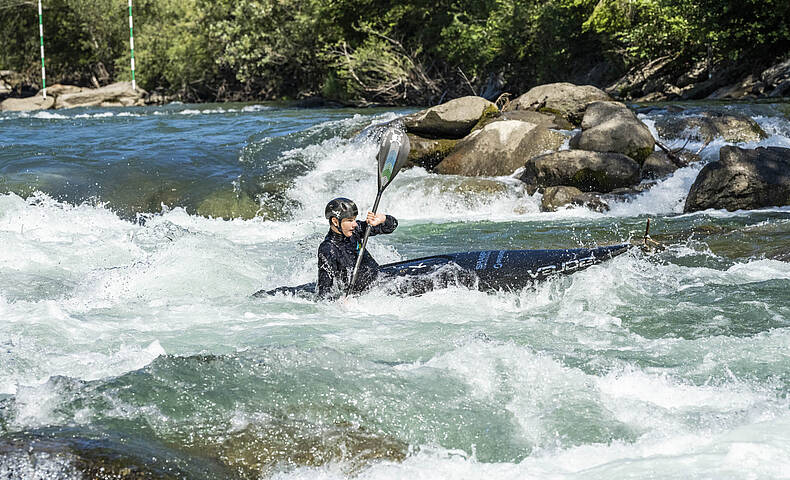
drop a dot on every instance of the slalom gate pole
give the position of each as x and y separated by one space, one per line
131 44
41 35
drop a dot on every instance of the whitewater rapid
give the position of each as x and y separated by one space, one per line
142 329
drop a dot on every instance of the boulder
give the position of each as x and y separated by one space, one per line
5 89
777 79
587 171
26 104
657 165
228 204
560 196
10 81
499 148
59 89
548 120
118 94
709 125
428 152
564 99
742 179
612 127
454 119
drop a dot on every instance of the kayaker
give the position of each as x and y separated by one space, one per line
337 254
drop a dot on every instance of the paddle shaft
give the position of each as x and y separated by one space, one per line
362 248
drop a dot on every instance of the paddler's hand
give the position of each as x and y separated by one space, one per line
376 219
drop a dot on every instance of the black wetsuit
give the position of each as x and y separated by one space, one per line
337 256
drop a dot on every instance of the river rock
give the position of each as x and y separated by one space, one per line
60 89
228 204
743 179
10 81
428 152
587 171
548 120
709 125
560 196
777 79
454 119
499 148
118 94
657 165
27 104
564 99
612 127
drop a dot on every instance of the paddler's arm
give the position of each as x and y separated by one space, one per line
381 223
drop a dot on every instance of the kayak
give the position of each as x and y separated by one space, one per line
487 270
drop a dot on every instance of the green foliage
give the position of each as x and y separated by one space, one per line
410 51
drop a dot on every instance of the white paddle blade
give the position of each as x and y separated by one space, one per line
392 155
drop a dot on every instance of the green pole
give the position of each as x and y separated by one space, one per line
41 35
131 43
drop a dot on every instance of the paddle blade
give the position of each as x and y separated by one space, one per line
392 155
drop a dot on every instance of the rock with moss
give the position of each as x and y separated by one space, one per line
452 120
228 204
587 171
711 125
428 152
499 148
743 179
567 100
612 127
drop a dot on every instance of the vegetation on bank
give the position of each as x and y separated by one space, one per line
382 51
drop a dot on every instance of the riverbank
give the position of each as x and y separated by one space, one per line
665 79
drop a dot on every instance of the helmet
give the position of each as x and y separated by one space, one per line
340 208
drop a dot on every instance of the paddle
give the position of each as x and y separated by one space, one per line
392 155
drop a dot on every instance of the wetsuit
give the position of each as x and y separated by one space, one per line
337 256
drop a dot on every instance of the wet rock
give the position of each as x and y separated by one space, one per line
27 104
428 152
560 196
612 127
657 165
259 451
743 179
499 148
118 94
587 171
567 100
709 125
228 204
66 452
454 119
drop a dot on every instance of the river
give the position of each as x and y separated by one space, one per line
130 346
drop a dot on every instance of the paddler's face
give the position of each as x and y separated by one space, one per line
347 226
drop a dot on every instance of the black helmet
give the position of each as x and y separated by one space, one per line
340 208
